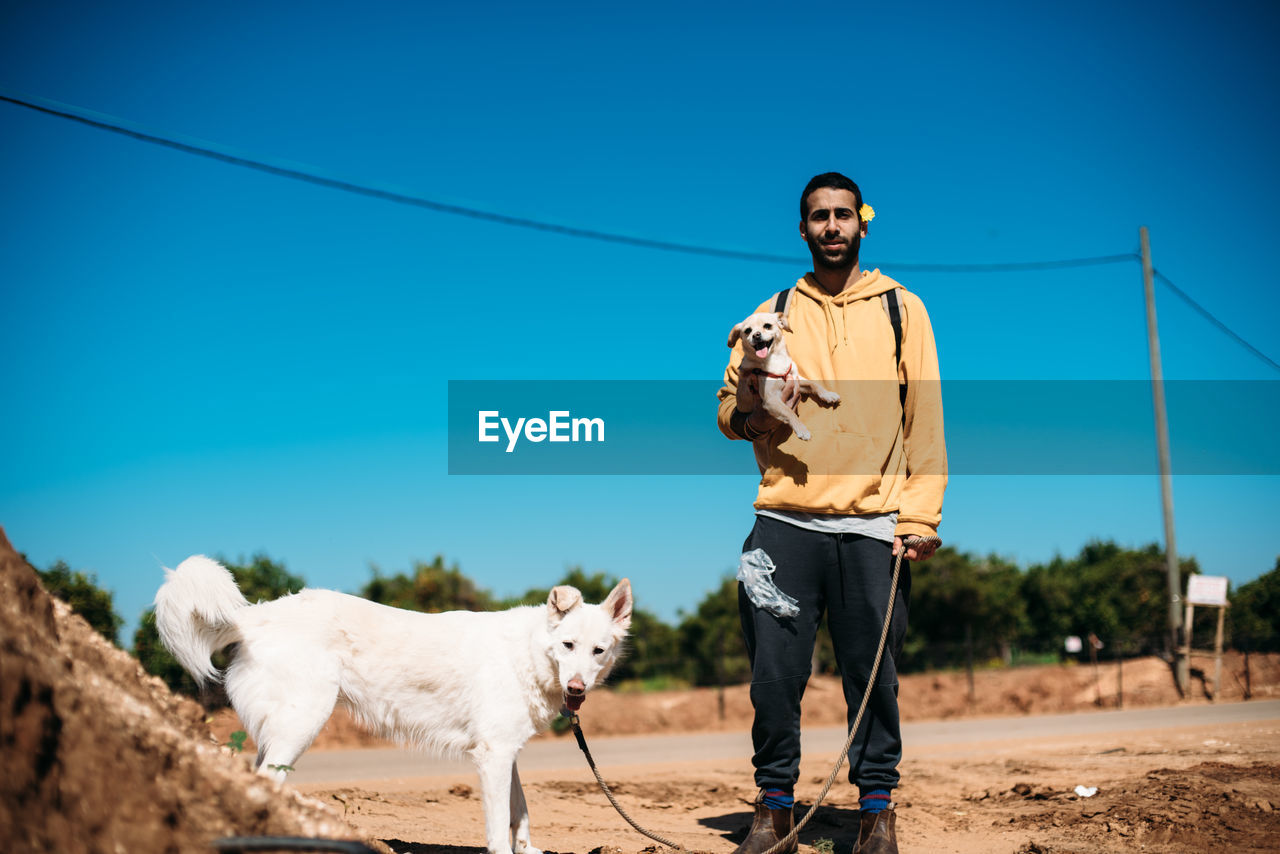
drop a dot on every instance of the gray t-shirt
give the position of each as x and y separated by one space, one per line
878 526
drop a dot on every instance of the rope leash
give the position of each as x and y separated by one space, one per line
786 841
604 787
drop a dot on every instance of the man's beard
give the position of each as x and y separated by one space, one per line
844 262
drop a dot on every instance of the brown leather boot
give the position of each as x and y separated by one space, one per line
768 827
876 834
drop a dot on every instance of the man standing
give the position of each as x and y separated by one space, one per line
832 512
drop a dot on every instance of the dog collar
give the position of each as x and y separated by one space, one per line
760 372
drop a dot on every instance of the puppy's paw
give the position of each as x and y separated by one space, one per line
525 848
830 398
802 432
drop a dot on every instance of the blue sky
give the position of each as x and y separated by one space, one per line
203 358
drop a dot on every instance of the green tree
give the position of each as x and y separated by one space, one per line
429 587
1254 615
1119 594
263 579
260 580
1046 592
957 599
85 597
711 638
594 588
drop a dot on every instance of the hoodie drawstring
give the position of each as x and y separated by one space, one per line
835 336
831 323
832 332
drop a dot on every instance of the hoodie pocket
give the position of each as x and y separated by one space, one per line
850 455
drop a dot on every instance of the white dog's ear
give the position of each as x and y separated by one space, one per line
618 606
734 334
561 601
782 321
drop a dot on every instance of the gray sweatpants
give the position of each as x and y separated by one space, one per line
847 576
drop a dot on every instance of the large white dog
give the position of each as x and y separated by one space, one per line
459 683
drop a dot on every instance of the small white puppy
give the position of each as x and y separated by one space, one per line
766 368
458 683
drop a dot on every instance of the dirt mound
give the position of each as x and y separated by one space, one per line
100 756
1213 806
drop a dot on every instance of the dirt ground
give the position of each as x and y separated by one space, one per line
1195 789
99 756
1192 789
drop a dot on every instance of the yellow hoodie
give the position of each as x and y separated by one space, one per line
864 457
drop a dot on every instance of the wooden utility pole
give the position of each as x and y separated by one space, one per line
1181 666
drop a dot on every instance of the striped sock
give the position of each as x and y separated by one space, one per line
777 799
873 800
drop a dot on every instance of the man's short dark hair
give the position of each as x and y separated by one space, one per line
835 181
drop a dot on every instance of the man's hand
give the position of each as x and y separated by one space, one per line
762 421
922 551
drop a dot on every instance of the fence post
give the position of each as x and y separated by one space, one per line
968 659
1119 675
1248 682
1187 624
720 680
1217 656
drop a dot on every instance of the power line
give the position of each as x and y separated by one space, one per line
1204 312
310 175
1011 267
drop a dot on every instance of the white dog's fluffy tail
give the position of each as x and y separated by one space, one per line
193 613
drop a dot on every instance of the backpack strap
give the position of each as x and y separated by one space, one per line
892 302
782 301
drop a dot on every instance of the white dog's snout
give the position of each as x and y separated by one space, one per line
577 686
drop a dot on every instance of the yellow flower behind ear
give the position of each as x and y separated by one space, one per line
867 212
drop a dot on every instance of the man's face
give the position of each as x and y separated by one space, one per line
832 228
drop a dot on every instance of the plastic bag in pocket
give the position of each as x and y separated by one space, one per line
755 571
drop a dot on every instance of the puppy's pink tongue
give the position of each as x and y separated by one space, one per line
762 352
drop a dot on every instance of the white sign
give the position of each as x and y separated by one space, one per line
1207 589
1073 644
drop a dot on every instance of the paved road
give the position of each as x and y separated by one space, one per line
921 739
